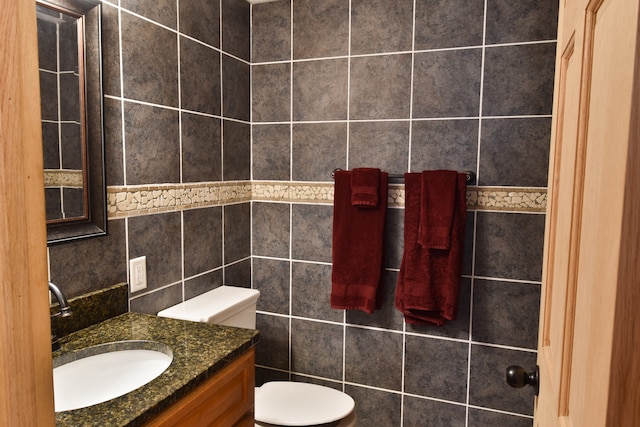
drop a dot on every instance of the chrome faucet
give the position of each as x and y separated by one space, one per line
65 311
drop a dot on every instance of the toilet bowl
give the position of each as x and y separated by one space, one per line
277 403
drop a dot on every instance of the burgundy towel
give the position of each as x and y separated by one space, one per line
436 208
429 279
364 187
357 247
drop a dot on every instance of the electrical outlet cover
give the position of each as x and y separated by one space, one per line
138 273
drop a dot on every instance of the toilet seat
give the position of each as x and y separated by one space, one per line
287 403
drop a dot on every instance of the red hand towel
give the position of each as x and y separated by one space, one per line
357 247
364 187
436 208
429 279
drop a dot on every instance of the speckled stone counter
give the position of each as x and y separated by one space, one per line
199 350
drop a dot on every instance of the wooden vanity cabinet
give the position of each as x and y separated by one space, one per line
224 400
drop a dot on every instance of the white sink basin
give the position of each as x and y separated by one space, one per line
100 373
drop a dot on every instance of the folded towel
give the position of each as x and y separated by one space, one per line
357 247
364 187
436 208
429 280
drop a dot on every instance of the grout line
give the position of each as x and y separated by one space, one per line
416 119
291 82
179 51
290 62
446 49
348 121
182 215
122 118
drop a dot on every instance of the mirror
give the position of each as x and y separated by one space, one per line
70 66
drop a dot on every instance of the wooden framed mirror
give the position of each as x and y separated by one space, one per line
70 68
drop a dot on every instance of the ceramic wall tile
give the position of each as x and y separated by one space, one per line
311 287
152 144
110 50
104 262
201 94
202 242
447 83
376 407
236 93
419 412
364 365
201 148
149 62
271 94
506 313
271 31
236 28
446 23
317 150
273 350
320 28
201 20
529 20
446 377
157 237
316 348
271 151
382 145
114 168
515 152
509 245
444 144
479 418
518 80
380 87
271 233
487 385
236 151
272 280
311 229
237 232
162 11
200 284
381 26
320 90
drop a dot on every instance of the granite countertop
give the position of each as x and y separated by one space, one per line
199 351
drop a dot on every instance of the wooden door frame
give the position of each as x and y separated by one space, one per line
26 385
624 394
610 320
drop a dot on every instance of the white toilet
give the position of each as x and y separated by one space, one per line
277 403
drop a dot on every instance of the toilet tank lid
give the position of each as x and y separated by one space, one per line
213 306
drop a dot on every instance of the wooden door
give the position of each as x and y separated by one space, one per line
588 325
26 384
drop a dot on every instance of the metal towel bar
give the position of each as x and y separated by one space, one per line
471 176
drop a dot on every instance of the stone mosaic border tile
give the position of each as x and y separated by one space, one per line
63 178
517 199
125 201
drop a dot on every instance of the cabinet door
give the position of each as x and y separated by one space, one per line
591 242
222 401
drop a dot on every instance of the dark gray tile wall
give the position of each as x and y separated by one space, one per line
403 86
59 88
176 111
470 90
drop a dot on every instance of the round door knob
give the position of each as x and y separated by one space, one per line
517 377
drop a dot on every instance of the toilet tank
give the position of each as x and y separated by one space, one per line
224 305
